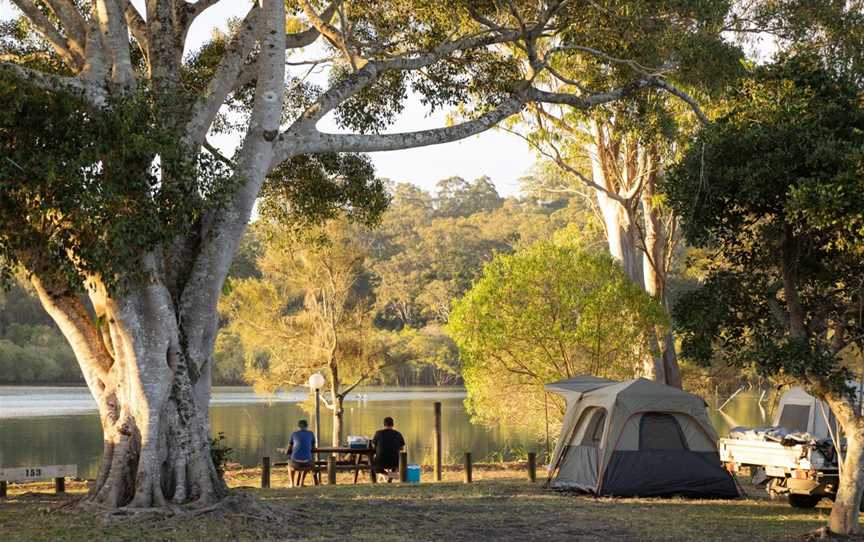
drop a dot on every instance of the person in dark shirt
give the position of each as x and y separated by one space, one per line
387 442
300 451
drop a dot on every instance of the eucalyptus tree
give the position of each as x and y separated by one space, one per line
145 223
615 154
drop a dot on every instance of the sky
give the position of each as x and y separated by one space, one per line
502 156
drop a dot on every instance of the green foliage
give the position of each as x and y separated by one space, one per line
230 365
682 40
457 197
307 312
309 190
428 250
32 350
832 30
220 453
86 191
774 191
545 313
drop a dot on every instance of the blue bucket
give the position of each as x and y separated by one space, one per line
413 474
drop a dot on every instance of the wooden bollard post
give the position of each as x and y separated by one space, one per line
469 475
437 449
2 489
403 467
532 466
265 472
331 470
60 485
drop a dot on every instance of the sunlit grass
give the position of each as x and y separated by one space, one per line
500 505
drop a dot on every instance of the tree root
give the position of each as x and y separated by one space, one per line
823 533
239 505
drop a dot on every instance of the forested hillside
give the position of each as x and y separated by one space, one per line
426 252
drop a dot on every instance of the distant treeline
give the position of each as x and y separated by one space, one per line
428 250
32 350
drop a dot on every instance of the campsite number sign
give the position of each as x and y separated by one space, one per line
31 474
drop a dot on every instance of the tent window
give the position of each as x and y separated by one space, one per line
795 417
595 421
660 432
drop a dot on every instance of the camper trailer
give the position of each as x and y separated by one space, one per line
796 457
636 438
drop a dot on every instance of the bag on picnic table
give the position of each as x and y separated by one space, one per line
357 442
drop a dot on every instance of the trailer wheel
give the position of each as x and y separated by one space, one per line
773 487
804 501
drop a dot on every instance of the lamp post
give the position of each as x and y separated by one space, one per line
316 382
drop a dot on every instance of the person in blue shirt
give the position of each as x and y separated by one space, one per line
300 452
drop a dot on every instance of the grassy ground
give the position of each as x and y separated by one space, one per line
501 505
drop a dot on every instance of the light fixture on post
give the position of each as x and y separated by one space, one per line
316 382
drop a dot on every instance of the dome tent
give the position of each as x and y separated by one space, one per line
636 438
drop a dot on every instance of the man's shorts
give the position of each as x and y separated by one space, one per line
301 465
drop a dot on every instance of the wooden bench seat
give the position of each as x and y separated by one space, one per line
19 475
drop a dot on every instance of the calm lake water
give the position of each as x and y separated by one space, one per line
48 425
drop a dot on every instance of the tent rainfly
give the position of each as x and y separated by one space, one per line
636 438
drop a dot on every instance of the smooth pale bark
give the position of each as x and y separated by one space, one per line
618 206
148 355
338 418
844 518
156 445
655 260
336 402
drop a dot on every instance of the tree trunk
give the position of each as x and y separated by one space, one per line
156 440
336 402
845 511
338 416
653 367
670 361
621 236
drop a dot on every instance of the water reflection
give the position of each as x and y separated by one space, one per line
747 408
255 426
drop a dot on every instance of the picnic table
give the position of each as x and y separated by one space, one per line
347 459
355 459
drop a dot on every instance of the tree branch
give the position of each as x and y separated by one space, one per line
136 25
689 100
112 23
295 40
224 79
218 155
329 31
93 94
307 37
317 142
587 102
222 233
347 390
73 24
83 336
51 34
366 75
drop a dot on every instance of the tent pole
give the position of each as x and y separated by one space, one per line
546 406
